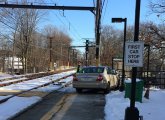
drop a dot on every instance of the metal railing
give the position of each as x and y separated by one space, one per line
151 78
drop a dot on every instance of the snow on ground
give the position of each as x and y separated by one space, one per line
15 105
52 87
36 82
5 76
150 109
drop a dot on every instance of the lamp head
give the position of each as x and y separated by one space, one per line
118 20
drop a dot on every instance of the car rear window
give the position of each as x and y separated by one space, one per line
92 70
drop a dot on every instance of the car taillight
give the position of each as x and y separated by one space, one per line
75 77
100 78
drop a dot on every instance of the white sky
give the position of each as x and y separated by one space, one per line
152 109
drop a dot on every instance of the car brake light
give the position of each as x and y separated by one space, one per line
100 78
75 77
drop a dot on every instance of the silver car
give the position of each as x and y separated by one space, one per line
95 78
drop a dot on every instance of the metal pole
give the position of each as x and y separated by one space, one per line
68 56
148 60
13 54
136 38
73 57
146 95
97 24
132 113
86 54
48 7
26 56
123 65
50 54
112 63
61 55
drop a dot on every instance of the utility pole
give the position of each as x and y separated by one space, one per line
73 57
61 54
69 56
86 52
25 64
50 53
97 29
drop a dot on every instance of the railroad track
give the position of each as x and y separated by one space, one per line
22 78
33 91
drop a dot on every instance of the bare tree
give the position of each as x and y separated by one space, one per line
153 35
22 22
110 45
157 7
60 44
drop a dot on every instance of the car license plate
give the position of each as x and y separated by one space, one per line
87 79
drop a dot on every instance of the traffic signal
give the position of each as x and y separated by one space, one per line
87 45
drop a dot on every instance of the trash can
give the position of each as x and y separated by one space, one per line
139 90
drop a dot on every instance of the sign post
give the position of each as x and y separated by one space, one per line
132 113
133 58
134 54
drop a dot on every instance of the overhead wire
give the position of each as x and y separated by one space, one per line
43 48
94 3
7 37
32 45
23 43
75 33
75 30
105 10
9 13
7 25
102 5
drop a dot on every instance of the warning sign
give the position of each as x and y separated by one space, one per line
134 54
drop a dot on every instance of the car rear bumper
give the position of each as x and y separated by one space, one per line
89 85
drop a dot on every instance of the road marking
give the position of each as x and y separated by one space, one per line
58 111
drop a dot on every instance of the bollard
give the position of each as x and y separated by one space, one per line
131 113
140 117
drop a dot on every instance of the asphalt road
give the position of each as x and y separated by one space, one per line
88 105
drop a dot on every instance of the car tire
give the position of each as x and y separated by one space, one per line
78 90
118 84
107 90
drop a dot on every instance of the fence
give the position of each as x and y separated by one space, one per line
151 78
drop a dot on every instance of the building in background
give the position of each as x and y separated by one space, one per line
13 64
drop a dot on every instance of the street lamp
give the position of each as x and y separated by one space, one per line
119 20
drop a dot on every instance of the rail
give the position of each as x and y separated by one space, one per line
46 84
28 77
